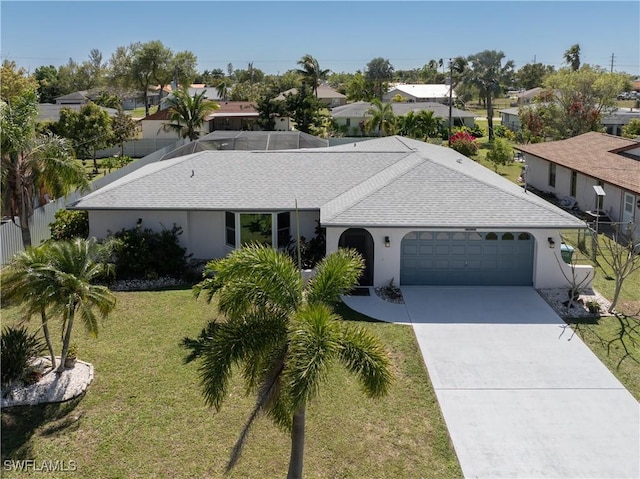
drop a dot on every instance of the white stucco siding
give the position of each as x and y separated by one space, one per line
548 266
101 222
154 129
207 234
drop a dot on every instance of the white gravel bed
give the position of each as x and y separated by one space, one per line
51 387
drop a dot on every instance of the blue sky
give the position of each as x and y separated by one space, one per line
343 35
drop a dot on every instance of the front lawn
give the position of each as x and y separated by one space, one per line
144 416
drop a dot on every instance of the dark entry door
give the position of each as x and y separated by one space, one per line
360 240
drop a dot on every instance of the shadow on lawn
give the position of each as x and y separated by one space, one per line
21 423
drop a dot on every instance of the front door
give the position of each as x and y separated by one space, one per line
360 240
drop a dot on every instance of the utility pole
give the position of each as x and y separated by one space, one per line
612 56
450 94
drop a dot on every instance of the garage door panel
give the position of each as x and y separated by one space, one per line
500 258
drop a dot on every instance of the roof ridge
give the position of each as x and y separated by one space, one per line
366 188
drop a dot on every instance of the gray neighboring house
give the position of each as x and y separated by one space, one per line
350 116
420 214
612 122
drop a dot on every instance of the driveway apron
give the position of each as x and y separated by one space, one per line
521 395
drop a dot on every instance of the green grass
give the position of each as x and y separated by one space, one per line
144 416
602 336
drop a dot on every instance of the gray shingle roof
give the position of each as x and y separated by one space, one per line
390 181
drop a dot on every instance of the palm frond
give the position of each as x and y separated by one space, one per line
336 275
364 355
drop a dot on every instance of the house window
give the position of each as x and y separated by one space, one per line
284 228
552 175
491 236
256 228
230 228
348 121
574 183
507 237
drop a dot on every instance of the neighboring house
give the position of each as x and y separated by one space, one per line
419 93
48 112
612 122
572 167
75 98
249 141
326 95
350 116
418 213
232 115
527 96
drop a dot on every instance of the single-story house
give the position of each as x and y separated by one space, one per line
49 112
232 115
419 93
420 214
572 167
612 122
350 116
326 95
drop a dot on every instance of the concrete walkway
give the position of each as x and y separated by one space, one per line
521 396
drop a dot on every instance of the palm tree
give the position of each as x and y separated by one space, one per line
33 163
72 267
223 90
187 113
284 334
381 117
427 125
489 74
28 281
311 72
572 57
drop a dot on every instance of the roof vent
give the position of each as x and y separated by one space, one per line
459 160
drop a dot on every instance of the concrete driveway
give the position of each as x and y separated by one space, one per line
521 396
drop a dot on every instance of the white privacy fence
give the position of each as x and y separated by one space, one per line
10 235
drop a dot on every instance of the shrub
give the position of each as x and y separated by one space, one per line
476 130
464 143
17 347
69 224
502 131
311 251
500 154
147 254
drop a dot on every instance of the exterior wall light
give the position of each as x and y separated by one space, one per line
552 244
139 223
387 241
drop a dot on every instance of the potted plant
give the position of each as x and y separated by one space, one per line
72 356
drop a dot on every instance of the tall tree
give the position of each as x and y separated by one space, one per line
284 335
573 102
89 130
487 72
572 57
311 72
359 89
187 113
184 67
532 75
268 110
48 84
304 108
379 71
32 163
15 83
124 129
380 117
